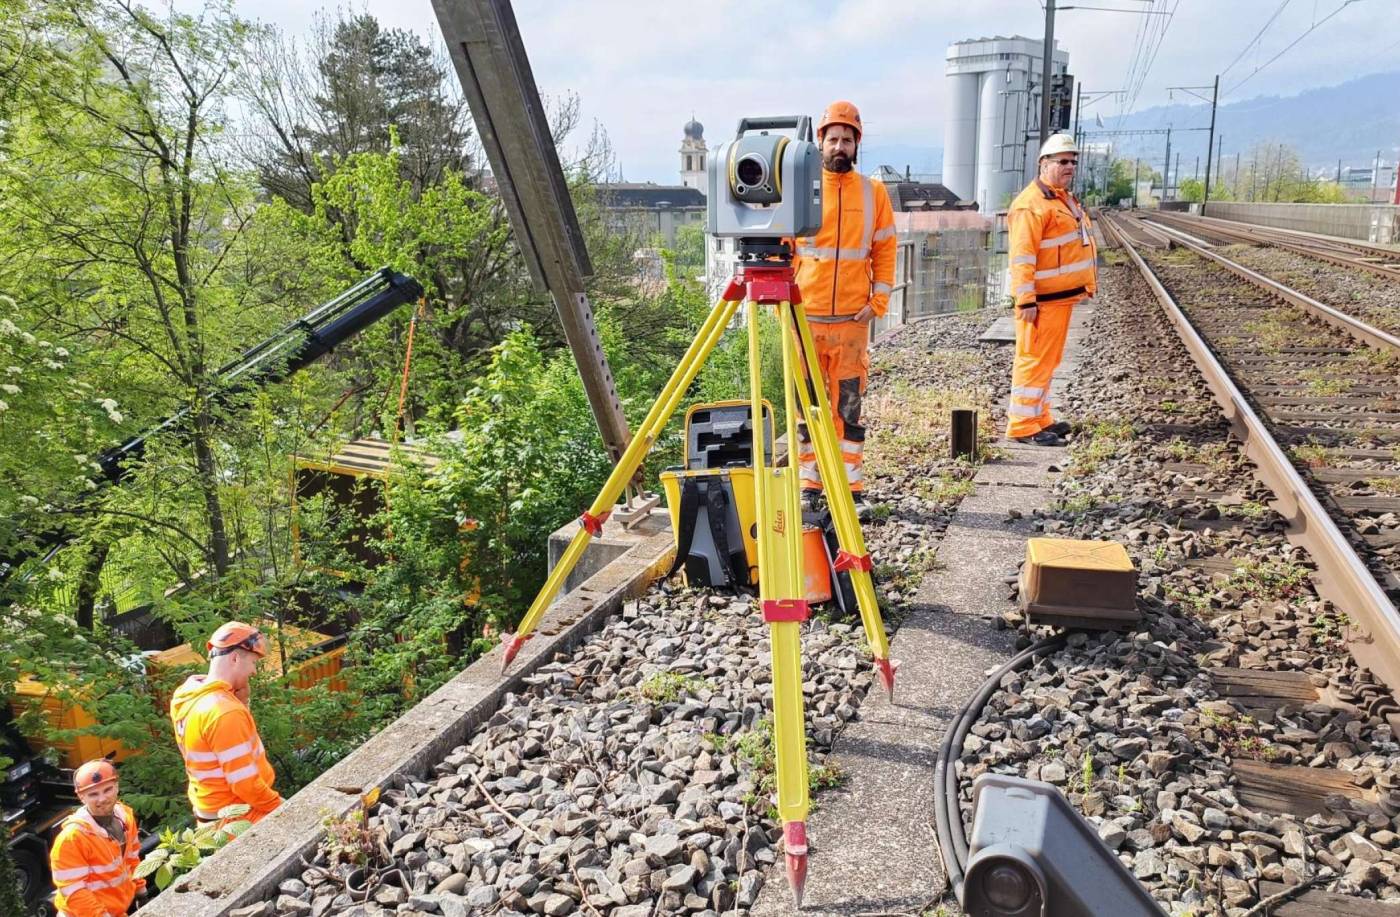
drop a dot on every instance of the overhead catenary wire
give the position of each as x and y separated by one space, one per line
1258 35
1290 46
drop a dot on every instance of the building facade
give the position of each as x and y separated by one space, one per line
991 135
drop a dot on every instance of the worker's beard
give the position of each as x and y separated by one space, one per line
838 162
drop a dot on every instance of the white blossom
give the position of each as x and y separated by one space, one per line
29 500
9 389
8 327
4 406
61 352
13 370
52 364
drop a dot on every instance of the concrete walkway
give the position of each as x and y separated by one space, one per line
873 841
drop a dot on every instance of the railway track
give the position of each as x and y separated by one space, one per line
1377 259
1313 390
1178 741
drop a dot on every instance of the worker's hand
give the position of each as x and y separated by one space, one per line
1027 314
865 314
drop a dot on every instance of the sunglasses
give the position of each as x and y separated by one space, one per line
253 643
1066 162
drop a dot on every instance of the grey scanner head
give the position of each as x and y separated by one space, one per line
1032 855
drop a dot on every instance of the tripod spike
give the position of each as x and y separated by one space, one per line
886 668
795 854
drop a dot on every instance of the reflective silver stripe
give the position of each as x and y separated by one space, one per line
1023 410
111 883
1027 391
1025 288
243 773
206 775
1059 240
812 251
867 200
808 474
75 887
63 875
1023 259
854 475
237 751
1065 269
883 234
109 867
879 288
201 756
829 319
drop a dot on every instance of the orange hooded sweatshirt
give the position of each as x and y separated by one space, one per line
224 757
850 261
91 873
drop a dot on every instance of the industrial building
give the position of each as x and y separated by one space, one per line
991 134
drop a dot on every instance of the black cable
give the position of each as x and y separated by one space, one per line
947 806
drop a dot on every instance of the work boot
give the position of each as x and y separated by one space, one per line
1043 438
1059 428
814 500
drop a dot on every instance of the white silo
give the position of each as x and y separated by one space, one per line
960 136
1007 75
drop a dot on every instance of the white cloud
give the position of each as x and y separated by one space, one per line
641 68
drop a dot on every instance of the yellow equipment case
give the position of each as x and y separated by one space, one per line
711 497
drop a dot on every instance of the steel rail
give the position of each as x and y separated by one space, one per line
1341 577
1299 235
1315 249
1367 334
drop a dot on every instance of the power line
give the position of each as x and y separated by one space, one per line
1311 28
1256 38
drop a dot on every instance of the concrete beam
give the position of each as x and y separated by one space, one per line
251 868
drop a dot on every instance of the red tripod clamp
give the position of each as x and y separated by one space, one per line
592 524
845 560
781 610
763 284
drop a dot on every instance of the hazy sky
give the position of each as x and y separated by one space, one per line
641 68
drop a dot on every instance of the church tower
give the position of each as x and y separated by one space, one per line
693 155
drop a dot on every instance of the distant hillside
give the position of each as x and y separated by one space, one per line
1349 121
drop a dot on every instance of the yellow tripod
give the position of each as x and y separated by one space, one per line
778 505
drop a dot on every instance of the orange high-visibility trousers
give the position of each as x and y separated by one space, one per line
1039 348
843 353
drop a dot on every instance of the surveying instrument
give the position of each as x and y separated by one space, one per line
765 189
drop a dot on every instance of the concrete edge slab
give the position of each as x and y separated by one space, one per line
250 868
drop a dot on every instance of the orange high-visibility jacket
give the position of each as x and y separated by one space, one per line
850 261
224 757
91 873
1052 249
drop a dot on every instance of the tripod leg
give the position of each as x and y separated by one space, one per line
592 521
853 555
784 608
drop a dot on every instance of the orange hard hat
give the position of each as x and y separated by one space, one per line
235 635
93 773
840 112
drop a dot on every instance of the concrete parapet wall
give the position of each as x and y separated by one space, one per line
1378 223
251 868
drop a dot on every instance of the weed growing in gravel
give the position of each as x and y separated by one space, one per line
1375 360
1272 579
755 748
946 488
1320 382
666 687
1329 628
1077 505
880 512
1103 442
1237 736
1385 485
1169 406
1251 509
1313 455
1086 774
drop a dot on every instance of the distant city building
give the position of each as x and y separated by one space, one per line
908 195
694 155
991 134
652 211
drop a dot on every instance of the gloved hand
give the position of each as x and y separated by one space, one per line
1027 314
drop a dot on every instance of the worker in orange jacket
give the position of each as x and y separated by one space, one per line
97 849
1053 266
845 274
224 758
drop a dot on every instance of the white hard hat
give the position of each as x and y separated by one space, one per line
1058 143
